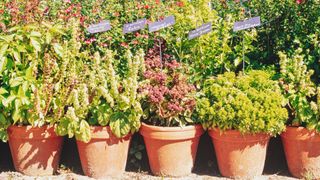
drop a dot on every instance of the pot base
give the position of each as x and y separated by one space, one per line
239 156
35 151
302 150
104 155
171 150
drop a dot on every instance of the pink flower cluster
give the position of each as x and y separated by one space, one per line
168 90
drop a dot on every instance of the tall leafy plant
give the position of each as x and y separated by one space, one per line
219 51
36 73
102 97
300 91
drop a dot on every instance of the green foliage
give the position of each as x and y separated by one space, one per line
250 103
302 95
103 98
219 51
31 78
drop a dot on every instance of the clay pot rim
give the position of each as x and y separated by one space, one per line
171 129
35 128
31 132
171 133
104 132
301 133
236 135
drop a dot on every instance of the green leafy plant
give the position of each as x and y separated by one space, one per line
103 98
31 78
302 95
250 103
216 52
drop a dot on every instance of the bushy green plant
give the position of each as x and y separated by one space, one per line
299 90
219 51
35 75
250 103
103 98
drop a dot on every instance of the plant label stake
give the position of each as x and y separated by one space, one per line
100 27
166 22
199 31
134 26
246 24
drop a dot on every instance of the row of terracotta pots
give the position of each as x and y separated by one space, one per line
171 151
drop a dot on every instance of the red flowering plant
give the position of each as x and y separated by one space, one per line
170 99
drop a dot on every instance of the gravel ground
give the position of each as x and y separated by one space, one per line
129 176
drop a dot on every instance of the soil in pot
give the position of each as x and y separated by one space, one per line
302 150
104 155
171 150
35 150
238 155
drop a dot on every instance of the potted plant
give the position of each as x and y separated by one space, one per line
241 112
301 138
169 133
104 112
32 84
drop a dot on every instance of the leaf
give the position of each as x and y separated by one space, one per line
119 125
138 155
7 101
237 61
16 82
16 55
17 105
36 44
35 34
48 37
58 49
21 93
2 119
84 133
3 63
16 116
3 91
7 38
3 49
29 74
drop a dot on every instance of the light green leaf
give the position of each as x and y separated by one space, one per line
3 91
3 49
16 82
237 61
7 101
16 55
35 34
36 44
3 63
7 38
16 116
48 37
58 49
84 133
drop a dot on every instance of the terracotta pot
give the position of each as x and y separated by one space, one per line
171 150
302 150
240 155
104 155
35 150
